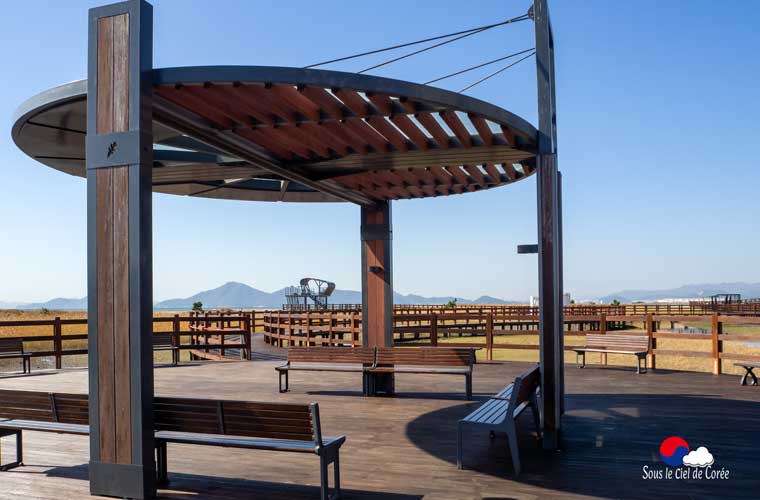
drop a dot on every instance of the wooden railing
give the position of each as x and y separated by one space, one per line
204 341
434 328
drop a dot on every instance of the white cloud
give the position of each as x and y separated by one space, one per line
700 457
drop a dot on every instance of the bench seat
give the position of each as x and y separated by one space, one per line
636 345
247 442
11 348
421 369
500 411
31 425
321 367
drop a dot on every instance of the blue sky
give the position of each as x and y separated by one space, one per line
657 116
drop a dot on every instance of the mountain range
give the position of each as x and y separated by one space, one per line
239 295
747 290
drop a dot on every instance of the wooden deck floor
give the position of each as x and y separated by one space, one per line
404 447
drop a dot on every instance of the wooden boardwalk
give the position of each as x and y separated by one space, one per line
404 448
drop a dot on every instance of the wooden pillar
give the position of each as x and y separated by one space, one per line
377 276
717 344
549 237
119 255
377 285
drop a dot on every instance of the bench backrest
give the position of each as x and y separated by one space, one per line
163 340
618 342
525 386
425 356
298 422
44 407
11 346
331 355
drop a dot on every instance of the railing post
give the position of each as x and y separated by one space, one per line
652 342
433 329
176 339
57 342
717 344
489 337
603 331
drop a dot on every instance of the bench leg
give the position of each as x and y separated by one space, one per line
284 373
639 367
752 374
583 358
513 449
468 386
459 445
749 373
536 415
19 450
325 487
162 466
336 476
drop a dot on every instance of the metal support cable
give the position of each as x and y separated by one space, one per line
515 54
497 72
431 39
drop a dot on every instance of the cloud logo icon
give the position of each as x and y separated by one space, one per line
701 457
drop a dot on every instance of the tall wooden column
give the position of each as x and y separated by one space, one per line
119 254
377 283
551 321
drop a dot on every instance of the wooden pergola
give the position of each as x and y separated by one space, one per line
266 134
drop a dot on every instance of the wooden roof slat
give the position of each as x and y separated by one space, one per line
484 131
198 106
282 138
368 134
382 102
256 107
224 96
376 190
509 136
510 171
432 126
474 172
407 126
458 174
211 96
269 100
493 173
298 133
265 141
390 183
357 142
329 105
355 102
393 178
456 126
297 100
326 136
392 135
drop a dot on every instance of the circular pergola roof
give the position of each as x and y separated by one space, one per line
290 134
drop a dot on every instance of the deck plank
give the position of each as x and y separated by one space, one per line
405 447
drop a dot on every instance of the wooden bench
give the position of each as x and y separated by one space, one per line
748 367
14 348
327 359
637 345
433 360
241 424
166 342
237 424
40 411
500 412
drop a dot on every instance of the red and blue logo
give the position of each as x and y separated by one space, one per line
673 449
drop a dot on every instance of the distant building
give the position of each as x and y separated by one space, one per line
566 300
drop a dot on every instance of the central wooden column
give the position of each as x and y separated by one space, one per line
119 164
377 283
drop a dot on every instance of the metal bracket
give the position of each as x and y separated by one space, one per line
376 232
116 149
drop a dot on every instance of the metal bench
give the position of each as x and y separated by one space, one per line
500 412
14 348
637 345
251 425
748 367
166 342
327 359
432 360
